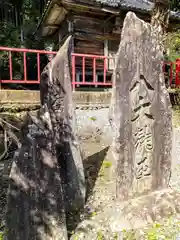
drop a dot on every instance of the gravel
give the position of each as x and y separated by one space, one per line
91 121
175 178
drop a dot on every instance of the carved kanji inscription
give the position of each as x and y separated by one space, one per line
142 121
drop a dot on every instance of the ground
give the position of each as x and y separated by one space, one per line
93 126
95 139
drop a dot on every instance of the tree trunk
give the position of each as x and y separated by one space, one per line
160 16
160 21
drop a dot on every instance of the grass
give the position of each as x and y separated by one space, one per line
103 171
93 118
169 230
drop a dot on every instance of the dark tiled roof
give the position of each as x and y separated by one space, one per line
141 5
133 4
138 5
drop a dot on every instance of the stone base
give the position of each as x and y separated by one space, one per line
133 214
144 210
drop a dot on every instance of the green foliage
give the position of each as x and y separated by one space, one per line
169 230
93 214
9 35
175 5
21 35
100 236
173 45
1 235
93 118
107 164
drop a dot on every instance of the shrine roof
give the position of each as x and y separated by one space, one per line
57 14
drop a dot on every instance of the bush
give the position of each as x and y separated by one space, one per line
173 45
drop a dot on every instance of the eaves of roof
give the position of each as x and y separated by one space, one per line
137 5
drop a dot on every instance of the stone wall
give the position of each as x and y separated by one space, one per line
22 100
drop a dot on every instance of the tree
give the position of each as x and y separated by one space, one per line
175 5
160 20
18 21
160 15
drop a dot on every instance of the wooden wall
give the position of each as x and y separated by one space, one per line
89 47
95 33
90 32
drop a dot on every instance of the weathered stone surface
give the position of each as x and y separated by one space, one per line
134 214
140 112
57 93
35 208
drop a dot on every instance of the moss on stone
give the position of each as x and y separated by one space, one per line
107 164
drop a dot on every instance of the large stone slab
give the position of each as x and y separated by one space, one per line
35 208
140 112
47 175
57 92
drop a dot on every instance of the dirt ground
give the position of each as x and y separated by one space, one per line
95 136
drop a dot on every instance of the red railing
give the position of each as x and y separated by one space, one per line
87 70
97 66
172 73
24 52
178 72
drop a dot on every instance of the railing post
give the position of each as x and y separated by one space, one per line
73 73
105 69
177 72
94 71
83 69
171 74
25 67
38 68
10 65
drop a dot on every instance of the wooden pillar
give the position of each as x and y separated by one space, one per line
106 47
106 52
71 31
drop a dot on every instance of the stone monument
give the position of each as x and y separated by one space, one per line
47 178
142 113
56 91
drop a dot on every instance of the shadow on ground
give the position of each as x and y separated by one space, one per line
92 165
